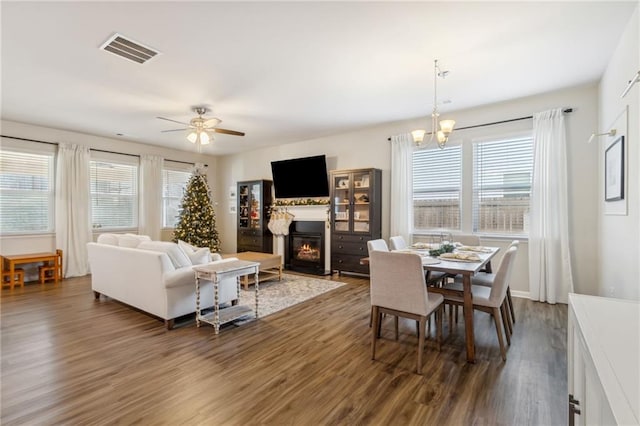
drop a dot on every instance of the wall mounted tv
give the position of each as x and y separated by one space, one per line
300 177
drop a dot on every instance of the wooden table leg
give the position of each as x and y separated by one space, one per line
468 319
12 274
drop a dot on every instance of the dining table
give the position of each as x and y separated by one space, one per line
465 269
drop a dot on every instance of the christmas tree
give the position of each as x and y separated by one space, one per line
197 219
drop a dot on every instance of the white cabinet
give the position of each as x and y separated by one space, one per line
603 360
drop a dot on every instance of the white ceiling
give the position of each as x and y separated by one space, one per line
286 72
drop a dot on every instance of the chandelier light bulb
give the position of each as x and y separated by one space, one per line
418 135
446 126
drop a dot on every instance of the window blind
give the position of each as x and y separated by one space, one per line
173 184
26 192
502 186
437 177
114 195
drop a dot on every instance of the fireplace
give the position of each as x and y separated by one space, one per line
305 250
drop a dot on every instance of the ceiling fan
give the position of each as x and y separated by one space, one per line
202 128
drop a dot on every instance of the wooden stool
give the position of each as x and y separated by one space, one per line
48 272
19 275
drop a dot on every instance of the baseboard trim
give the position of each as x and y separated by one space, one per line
521 294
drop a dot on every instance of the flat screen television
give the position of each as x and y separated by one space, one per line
301 177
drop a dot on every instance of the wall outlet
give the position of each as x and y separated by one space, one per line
611 291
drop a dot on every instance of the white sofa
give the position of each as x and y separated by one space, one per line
154 276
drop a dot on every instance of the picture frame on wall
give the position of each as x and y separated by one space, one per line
614 171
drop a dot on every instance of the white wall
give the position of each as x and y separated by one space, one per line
37 243
619 234
369 148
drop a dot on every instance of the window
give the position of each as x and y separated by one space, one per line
26 192
502 186
437 178
114 194
173 184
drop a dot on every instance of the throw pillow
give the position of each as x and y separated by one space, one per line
197 255
178 258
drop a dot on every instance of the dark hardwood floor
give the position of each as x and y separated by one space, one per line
69 359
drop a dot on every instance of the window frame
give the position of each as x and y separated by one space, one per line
505 138
175 167
467 164
440 230
44 151
123 160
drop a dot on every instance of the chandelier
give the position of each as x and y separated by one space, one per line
445 126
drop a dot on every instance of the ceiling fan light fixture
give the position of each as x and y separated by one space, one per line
192 137
205 139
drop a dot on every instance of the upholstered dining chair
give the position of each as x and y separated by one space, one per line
379 244
398 288
432 278
491 299
486 279
397 243
467 239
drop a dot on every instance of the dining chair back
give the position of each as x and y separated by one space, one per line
397 282
397 287
467 239
377 245
397 243
502 277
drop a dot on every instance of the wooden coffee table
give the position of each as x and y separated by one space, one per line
270 265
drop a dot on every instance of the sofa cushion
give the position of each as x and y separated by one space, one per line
128 241
110 239
175 253
197 255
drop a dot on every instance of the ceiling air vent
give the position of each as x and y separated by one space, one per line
128 49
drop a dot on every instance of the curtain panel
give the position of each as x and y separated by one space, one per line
150 201
402 186
550 277
73 208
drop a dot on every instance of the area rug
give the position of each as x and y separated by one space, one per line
277 295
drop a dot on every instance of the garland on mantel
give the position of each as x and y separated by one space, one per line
302 202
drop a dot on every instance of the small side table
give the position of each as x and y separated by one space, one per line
215 273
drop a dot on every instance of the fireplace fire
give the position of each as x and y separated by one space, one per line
308 252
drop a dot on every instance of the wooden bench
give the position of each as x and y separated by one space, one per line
270 264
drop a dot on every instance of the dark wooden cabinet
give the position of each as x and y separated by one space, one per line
356 216
254 201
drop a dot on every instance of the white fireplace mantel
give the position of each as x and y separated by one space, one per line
310 213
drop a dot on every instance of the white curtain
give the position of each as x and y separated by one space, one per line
73 208
550 278
150 204
402 186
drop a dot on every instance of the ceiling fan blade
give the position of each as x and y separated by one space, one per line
174 121
212 122
227 132
174 130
